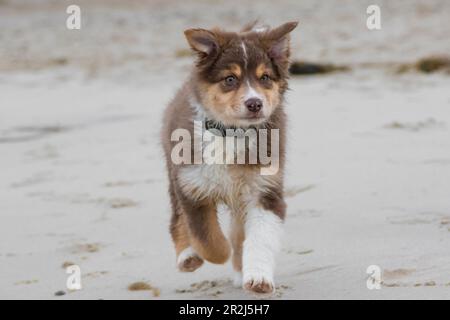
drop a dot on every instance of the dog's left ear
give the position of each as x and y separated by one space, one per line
277 41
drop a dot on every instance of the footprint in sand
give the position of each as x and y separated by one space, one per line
144 286
86 248
121 203
35 179
217 287
439 219
415 126
123 183
299 252
26 282
396 278
209 288
30 133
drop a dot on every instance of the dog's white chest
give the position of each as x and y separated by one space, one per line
229 184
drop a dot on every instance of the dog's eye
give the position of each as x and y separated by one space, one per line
265 78
230 81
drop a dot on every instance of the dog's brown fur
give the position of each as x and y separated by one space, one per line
248 56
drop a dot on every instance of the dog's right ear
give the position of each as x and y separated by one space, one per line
203 42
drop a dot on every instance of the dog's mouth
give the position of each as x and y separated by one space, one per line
252 119
255 117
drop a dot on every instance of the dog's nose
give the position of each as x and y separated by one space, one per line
253 104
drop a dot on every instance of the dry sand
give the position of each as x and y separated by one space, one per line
83 180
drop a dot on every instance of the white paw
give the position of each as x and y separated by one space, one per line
189 261
259 282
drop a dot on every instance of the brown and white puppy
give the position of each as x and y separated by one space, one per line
239 81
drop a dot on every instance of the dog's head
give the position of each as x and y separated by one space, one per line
241 77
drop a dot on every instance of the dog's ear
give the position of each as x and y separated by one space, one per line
203 42
277 41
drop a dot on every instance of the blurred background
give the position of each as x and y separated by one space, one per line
138 35
82 178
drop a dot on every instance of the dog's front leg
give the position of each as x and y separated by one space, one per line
263 228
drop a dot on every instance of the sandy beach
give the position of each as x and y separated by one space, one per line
83 179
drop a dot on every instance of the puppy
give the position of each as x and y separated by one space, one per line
238 83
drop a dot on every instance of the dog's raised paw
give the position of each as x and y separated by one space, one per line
189 261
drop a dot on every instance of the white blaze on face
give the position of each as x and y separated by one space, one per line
250 92
244 49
